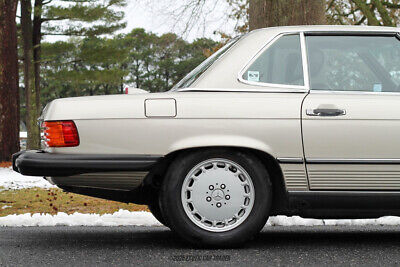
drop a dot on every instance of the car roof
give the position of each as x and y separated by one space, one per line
328 28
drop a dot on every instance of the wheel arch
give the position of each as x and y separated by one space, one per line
279 202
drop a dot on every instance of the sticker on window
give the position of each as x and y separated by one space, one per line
253 76
377 87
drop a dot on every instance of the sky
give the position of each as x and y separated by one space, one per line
157 16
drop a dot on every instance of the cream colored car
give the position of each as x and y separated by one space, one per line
289 120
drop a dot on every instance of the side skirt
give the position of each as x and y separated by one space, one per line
344 204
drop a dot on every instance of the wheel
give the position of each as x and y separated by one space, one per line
216 197
156 211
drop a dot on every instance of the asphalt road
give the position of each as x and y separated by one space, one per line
155 246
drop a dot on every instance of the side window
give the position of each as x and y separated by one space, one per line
354 63
281 63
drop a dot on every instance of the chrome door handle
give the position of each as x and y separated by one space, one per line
326 112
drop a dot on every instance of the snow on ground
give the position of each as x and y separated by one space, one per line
10 179
296 220
143 218
13 180
121 217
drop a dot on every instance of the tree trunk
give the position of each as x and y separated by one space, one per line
270 13
33 140
9 91
36 40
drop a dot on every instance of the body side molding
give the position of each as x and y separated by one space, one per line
290 160
351 161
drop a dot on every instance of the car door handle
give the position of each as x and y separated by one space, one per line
326 112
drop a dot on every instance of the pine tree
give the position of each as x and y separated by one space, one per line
66 18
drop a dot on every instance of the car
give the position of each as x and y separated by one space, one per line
301 120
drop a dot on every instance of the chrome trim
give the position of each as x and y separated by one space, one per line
306 77
388 33
303 88
241 90
290 160
313 112
351 161
316 91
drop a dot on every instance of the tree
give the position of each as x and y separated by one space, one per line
89 66
94 66
363 12
139 61
31 95
9 96
270 13
240 14
156 63
84 17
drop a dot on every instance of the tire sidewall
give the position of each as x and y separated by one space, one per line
180 222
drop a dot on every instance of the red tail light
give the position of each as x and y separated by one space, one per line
60 133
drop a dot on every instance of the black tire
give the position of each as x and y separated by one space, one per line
156 211
179 221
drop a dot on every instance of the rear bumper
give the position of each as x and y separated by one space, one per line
40 163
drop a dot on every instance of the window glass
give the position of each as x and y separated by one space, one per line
354 63
281 63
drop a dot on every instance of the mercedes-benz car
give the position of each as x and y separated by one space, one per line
300 120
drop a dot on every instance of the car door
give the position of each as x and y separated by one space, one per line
351 117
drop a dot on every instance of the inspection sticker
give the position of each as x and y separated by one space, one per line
253 76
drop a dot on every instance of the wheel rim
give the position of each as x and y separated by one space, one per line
217 195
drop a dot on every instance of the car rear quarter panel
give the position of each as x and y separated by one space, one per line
269 122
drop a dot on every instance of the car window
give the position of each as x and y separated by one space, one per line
354 63
280 63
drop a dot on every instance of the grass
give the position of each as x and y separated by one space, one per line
39 200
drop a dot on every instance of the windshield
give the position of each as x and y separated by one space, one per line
192 76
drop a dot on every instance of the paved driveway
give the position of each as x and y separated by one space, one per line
104 246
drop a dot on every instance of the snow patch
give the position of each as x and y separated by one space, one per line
144 218
293 220
10 179
298 221
119 218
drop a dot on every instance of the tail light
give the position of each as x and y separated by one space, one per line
60 133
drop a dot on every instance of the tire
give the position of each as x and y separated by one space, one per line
220 223
156 211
